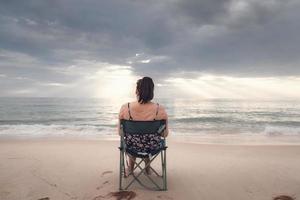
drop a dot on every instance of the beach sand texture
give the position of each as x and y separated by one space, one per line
59 169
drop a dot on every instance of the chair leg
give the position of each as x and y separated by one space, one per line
120 172
135 167
122 169
165 170
162 164
136 177
143 170
138 165
154 171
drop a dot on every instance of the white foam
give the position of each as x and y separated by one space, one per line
54 130
265 131
281 130
90 130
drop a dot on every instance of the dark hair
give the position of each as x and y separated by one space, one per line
145 88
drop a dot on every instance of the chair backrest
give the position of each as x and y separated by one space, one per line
143 127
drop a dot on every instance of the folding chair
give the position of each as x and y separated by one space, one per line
130 128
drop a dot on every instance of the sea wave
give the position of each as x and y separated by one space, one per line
96 130
201 119
280 130
48 121
55 130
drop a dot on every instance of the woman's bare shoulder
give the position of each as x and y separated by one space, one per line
162 112
161 107
123 110
123 106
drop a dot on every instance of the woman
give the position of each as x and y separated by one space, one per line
143 109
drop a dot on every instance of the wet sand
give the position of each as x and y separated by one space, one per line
88 170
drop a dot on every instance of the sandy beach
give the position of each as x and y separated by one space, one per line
88 170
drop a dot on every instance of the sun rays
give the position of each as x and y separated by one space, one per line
210 86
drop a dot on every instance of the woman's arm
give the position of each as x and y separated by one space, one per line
121 116
163 115
166 132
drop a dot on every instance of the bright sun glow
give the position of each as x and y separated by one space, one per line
100 80
209 86
115 82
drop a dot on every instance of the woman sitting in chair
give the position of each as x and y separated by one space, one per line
143 110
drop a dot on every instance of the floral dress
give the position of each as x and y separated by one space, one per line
143 143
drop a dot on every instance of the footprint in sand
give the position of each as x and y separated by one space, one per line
164 197
103 184
45 198
106 172
99 197
4 194
283 197
128 195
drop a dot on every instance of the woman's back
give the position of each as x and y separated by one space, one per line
142 112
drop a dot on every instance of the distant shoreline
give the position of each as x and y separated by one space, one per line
203 140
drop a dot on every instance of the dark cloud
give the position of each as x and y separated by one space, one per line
201 12
232 37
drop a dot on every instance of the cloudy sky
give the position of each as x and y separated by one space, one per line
194 48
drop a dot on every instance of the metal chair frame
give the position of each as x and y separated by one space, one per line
144 127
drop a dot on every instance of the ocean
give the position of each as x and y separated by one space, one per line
98 117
